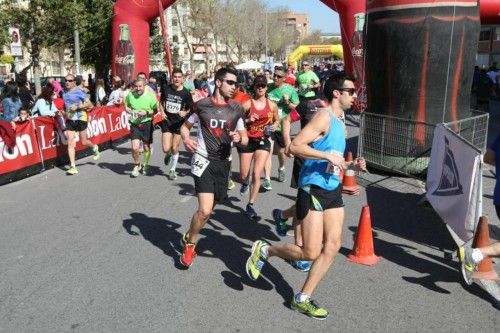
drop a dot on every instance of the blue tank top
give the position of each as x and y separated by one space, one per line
320 172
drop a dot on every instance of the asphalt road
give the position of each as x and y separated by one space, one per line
99 252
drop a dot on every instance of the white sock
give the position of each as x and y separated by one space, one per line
477 256
282 168
175 158
264 251
301 297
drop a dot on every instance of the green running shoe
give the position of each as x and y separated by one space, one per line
172 174
230 184
97 154
72 171
310 308
281 175
467 265
136 170
255 262
145 169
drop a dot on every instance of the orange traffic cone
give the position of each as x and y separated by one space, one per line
363 245
485 269
349 185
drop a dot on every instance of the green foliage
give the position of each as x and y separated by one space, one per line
7 59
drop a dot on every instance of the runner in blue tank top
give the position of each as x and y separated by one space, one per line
320 211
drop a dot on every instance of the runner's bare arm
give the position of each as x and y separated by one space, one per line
316 128
190 144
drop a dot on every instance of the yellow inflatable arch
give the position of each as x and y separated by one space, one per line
303 50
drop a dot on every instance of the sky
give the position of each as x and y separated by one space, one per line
321 17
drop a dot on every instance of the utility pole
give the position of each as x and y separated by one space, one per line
77 49
266 35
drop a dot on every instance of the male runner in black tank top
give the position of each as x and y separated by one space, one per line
220 122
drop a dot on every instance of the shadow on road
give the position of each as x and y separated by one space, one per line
399 214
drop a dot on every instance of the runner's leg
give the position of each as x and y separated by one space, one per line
201 216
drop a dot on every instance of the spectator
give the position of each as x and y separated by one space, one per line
11 101
100 93
116 96
23 116
44 105
189 82
25 92
152 83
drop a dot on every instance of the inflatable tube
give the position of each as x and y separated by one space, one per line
303 50
130 35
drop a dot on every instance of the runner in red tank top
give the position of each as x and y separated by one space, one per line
262 118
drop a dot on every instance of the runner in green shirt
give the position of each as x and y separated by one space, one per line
307 81
286 97
140 106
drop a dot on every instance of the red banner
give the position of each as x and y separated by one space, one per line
24 154
51 139
117 119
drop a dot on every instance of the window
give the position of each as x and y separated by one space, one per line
485 34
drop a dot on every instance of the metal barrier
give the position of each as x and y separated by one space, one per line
404 145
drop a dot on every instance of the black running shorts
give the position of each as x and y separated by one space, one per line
168 126
278 138
76 125
142 131
297 165
318 199
214 179
254 145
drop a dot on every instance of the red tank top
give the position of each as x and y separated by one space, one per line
256 129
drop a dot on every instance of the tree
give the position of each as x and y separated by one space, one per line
40 25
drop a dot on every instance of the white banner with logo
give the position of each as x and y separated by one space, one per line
15 42
454 182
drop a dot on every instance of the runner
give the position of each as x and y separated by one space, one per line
177 102
320 211
286 97
140 106
307 81
261 120
76 104
303 112
220 122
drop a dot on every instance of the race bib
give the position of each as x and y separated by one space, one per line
173 107
198 164
332 169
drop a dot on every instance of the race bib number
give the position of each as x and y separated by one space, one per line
332 169
173 107
198 164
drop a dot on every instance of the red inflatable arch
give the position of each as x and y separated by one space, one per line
132 17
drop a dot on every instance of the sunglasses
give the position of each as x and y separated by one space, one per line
305 65
230 82
278 76
350 91
260 86
69 80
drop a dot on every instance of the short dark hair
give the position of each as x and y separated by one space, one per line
335 82
177 70
221 73
78 80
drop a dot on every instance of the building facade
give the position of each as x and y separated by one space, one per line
489 47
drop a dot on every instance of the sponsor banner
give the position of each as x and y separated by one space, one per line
51 140
117 120
454 186
98 127
24 154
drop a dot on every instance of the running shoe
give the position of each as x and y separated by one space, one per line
188 254
250 211
280 223
255 262
467 265
310 308
301 265
172 174
167 158
266 184
72 171
145 169
244 189
136 170
230 184
97 154
281 175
